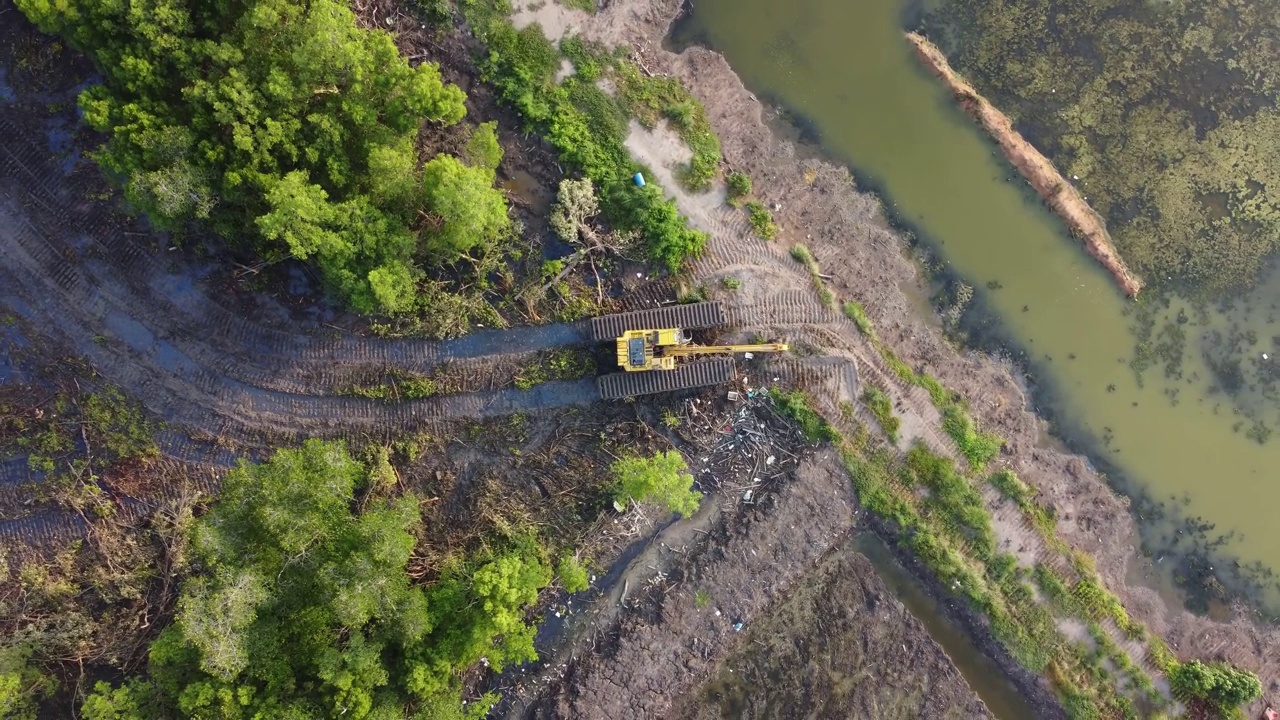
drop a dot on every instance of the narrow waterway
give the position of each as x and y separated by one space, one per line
844 68
981 672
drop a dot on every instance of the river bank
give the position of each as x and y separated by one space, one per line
848 231
1059 194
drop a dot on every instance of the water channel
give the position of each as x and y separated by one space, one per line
844 68
979 671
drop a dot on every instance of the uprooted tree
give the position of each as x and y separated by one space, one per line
286 126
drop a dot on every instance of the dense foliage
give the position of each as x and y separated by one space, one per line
1222 685
1167 112
285 125
663 478
300 606
584 124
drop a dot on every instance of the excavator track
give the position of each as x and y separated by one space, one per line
686 317
616 386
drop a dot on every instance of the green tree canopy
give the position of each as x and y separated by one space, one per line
283 124
1222 685
301 607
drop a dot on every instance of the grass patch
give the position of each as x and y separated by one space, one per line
559 364
1044 521
881 408
399 387
801 254
855 312
584 5
953 499
795 405
650 99
761 220
731 283
978 447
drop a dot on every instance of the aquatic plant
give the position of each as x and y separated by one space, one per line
1169 125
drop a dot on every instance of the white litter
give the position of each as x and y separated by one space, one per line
770 460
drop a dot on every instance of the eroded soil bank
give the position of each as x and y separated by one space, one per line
1061 196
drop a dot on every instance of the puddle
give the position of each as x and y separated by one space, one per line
527 189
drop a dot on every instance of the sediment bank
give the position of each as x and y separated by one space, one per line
1059 194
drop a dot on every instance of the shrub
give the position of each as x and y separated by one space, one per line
1222 685
572 573
761 220
22 686
737 186
801 254
663 478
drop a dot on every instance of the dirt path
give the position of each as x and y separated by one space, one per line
1061 196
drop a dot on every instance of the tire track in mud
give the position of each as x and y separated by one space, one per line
195 363
174 307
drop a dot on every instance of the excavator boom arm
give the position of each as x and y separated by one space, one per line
691 350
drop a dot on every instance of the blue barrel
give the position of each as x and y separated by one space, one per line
639 178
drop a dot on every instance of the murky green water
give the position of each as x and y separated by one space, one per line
844 67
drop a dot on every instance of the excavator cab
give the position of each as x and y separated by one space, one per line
639 350
643 350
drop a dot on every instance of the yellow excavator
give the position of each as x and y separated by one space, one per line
643 350
657 354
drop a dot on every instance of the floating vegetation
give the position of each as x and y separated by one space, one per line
1161 115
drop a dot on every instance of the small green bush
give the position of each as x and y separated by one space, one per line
761 220
737 186
801 254
978 447
572 573
731 283
1222 685
663 478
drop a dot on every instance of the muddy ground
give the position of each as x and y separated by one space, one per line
839 647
